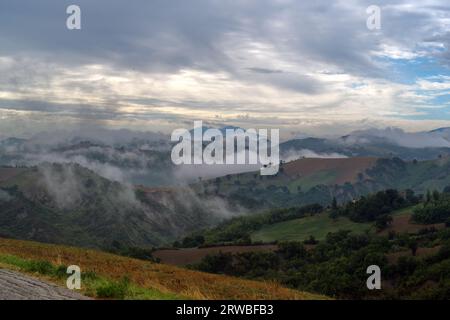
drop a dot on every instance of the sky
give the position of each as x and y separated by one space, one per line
306 67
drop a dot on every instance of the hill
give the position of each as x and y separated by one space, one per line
111 276
307 181
406 236
384 213
321 224
380 143
69 204
317 226
338 171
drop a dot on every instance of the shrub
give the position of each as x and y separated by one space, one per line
42 267
114 289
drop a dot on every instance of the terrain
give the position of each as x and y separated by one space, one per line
327 251
188 256
69 204
106 275
379 143
306 181
16 286
312 227
317 226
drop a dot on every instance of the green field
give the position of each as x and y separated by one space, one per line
301 229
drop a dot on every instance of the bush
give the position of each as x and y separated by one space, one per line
311 240
42 267
114 289
436 211
220 263
371 207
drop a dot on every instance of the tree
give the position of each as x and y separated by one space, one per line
219 263
193 241
334 213
411 197
383 221
292 250
413 246
428 197
311 240
435 195
447 223
334 205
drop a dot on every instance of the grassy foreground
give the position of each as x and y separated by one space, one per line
106 275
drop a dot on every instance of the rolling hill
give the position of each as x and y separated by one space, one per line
103 275
307 181
380 143
69 204
301 229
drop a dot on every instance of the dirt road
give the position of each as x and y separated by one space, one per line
16 286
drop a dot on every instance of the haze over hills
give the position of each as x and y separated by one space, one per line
96 192
66 203
390 142
69 204
144 157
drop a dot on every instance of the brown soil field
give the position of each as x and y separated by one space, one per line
347 169
402 224
181 257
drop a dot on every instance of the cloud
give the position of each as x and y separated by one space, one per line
396 136
159 64
292 155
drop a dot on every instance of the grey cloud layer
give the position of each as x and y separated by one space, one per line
276 43
165 36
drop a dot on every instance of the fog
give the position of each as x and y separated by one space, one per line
437 138
292 155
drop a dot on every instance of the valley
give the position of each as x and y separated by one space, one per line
265 228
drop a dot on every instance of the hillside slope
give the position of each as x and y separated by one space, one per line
168 280
301 229
69 204
307 181
375 143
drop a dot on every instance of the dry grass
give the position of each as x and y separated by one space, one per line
167 279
